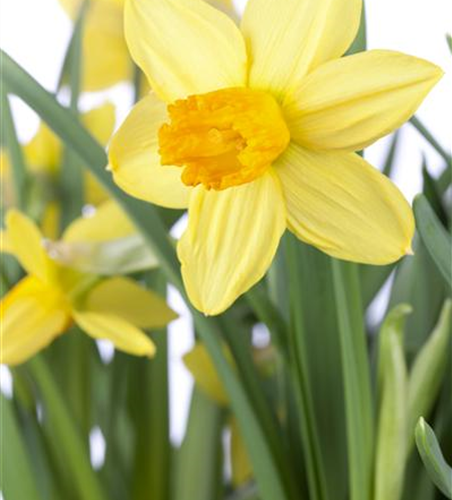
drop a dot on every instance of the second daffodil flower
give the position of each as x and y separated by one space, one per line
255 129
45 303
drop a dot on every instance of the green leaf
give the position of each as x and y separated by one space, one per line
422 129
17 479
439 471
71 175
151 416
449 42
63 434
428 370
15 154
298 356
432 193
434 236
321 343
391 448
147 220
356 375
199 460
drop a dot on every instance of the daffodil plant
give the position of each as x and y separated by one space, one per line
45 303
312 342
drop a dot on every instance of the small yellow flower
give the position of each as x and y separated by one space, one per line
106 60
255 130
47 301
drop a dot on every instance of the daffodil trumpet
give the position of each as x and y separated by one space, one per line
52 297
255 130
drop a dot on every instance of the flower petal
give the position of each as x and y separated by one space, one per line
26 242
351 102
100 121
184 46
123 297
340 204
230 242
109 222
106 59
135 161
287 38
125 336
201 366
43 152
32 315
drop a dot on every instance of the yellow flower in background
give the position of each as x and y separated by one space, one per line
106 59
43 157
254 130
51 297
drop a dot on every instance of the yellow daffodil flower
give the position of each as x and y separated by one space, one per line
47 301
256 129
106 60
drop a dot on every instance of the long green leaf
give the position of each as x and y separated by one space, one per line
15 153
64 433
17 479
200 478
71 174
428 371
356 374
422 129
391 444
434 236
300 377
439 471
148 221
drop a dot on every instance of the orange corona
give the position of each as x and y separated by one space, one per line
224 138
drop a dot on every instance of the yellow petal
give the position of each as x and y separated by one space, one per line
32 315
206 377
340 204
109 222
135 161
43 152
184 46
351 102
230 242
26 242
100 122
287 38
240 462
72 6
95 194
124 298
51 220
5 242
125 336
106 60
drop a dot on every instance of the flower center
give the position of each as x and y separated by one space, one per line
223 138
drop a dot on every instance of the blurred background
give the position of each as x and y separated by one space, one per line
36 33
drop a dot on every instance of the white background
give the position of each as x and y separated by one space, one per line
35 33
